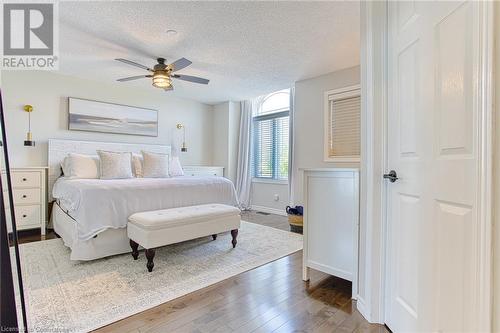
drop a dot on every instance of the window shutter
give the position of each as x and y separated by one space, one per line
344 127
270 136
263 141
271 148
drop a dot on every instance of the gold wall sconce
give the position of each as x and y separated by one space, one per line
29 136
183 128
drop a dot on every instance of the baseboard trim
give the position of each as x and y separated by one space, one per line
361 306
269 210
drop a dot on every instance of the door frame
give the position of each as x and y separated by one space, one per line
373 199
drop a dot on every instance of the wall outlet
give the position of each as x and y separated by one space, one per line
276 197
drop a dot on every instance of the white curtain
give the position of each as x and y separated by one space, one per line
291 155
243 173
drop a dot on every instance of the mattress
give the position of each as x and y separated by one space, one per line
97 205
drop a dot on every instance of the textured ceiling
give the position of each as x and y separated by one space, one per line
245 48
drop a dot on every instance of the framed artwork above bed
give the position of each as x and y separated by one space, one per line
95 116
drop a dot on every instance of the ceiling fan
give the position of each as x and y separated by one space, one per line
163 74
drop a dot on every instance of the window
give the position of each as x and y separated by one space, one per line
270 137
342 125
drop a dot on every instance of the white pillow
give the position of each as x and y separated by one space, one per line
115 165
155 165
175 167
79 166
65 170
137 165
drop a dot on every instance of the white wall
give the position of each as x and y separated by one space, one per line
373 108
226 124
269 197
309 112
220 135
48 93
496 165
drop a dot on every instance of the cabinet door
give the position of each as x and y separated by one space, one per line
332 211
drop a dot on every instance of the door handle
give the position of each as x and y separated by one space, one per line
392 176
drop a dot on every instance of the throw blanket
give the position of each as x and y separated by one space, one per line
97 205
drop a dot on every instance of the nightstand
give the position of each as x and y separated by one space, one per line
191 170
29 190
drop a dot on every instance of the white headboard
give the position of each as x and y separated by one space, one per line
59 149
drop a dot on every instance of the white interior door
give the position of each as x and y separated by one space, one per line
433 129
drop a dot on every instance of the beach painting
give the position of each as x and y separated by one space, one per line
88 115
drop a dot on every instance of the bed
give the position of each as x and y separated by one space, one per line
90 215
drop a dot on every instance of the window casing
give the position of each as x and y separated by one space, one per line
342 133
270 137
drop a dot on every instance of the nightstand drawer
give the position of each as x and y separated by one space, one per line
28 215
25 179
26 196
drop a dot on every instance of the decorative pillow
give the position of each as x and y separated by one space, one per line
65 170
79 166
155 165
137 165
175 167
115 165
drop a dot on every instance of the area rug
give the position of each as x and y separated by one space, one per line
66 296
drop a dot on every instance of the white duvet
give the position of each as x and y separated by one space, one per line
97 205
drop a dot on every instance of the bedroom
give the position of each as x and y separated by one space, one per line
150 191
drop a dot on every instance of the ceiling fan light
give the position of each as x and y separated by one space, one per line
162 80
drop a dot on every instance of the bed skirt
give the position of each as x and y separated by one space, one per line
106 243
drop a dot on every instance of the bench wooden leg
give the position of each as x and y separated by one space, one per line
135 251
150 254
234 233
214 236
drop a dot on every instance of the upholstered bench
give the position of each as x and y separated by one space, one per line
168 226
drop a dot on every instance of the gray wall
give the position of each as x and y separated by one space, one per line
264 196
309 113
226 129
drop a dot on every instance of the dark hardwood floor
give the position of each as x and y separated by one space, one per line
270 298
28 236
270 220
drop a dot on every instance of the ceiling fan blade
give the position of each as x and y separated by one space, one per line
132 63
130 78
190 78
180 64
